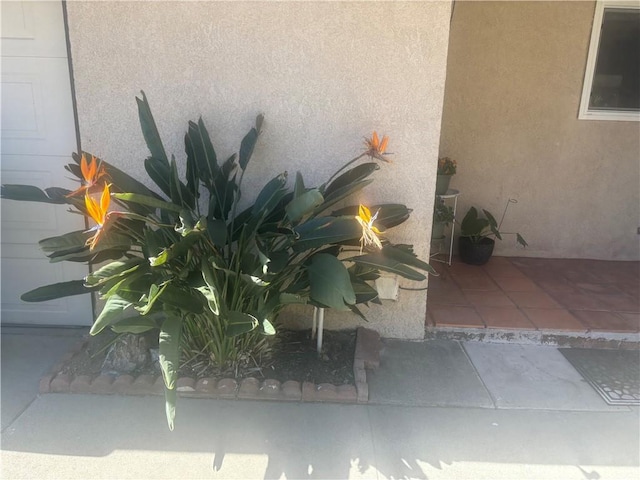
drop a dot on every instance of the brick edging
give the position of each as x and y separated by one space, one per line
367 355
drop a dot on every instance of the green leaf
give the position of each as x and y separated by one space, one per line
267 327
239 323
322 231
111 313
351 177
291 298
298 188
184 299
170 397
113 270
148 201
154 294
150 131
330 282
341 194
269 196
169 346
404 254
364 292
69 241
56 290
379 261
135 325
29 193
160 172
201 153
521 240
249 142
303 204
472 225
209 277
217 230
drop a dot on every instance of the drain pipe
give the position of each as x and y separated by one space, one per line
318 327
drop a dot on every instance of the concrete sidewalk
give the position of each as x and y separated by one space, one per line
437 410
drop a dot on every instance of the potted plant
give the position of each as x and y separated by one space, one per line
476 244
185 261
442 217
446 169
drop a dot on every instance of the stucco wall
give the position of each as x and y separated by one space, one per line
324 74
514 80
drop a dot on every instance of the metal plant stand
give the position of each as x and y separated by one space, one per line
450 196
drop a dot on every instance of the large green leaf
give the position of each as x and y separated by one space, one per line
322 231
183 298
201 153
377 260
330 282
160 172
29 193
210 280
169 346
239 323
113 270
404 254
112 312
303 204
148 201
56 290
169 359
135 325
150 130
351 176
69 241
341 194
249 142
270 195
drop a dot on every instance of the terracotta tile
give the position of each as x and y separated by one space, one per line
557 285
554 319
503 271
606 321
489 299
532 299
517 284
480 281
619 303
633 318
459 268
447 296
441 282
590 288
578 301
532 262
455 316
504 317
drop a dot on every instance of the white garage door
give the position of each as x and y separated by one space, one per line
38 136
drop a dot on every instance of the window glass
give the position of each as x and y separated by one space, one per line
616 79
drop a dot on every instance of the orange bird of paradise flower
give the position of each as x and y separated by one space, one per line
98 211
376 148
369 231
92 172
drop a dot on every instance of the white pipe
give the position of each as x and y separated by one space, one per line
314 324
320 328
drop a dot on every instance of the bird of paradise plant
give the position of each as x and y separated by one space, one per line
210 278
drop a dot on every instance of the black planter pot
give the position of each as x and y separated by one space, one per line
476 253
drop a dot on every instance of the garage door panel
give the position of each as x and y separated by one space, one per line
32 29
37 114
25 268
38 136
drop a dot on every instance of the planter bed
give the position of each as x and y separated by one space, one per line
367 350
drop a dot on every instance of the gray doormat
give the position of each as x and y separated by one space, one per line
615 374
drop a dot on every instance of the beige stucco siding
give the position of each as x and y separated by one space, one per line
514 80
324 74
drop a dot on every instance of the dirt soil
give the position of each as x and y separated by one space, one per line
295 358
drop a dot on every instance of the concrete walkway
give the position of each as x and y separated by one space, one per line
437 409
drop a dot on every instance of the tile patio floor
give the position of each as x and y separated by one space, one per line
567 295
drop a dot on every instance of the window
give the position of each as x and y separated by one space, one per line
611 89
